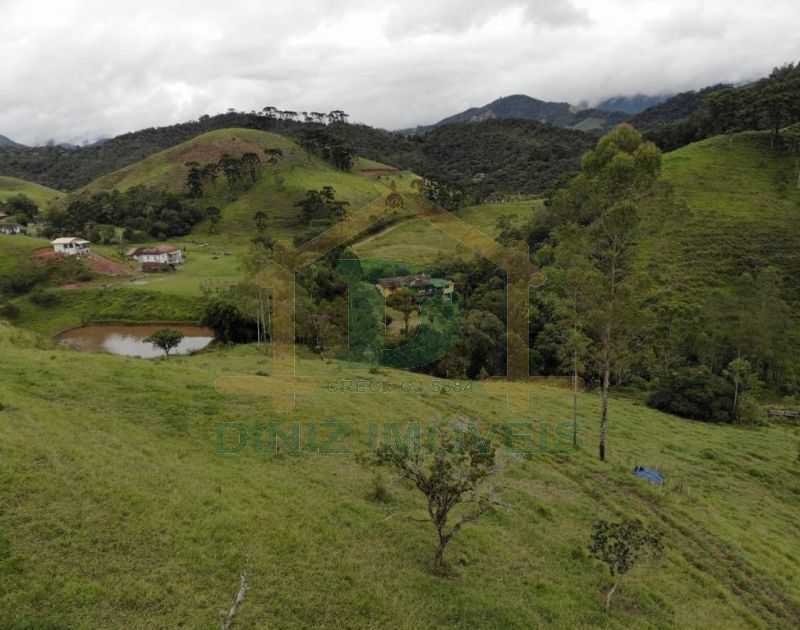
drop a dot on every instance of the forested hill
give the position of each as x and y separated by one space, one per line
496 156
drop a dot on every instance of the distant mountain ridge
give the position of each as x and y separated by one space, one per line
631 104
8 142
522 107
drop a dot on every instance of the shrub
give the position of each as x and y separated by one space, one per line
9 311
695 393
45 299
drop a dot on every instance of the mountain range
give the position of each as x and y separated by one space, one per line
606 115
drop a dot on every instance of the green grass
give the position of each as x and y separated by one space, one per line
415 242
744 204
42 195
485 216
16 250
119 304
117 511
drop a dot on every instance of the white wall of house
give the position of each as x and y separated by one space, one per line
71 249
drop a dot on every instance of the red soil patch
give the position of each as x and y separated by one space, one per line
376 172
96 263
212 151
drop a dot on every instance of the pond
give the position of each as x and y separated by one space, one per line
129 340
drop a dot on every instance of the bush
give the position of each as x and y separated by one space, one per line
9 311
695 393
45 299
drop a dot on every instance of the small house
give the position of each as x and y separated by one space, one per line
11 228
158 258
71 246
423 286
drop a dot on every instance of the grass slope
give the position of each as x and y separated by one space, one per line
415 243
744 203
116 510
11 186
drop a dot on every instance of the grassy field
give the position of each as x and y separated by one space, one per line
119 509
415 242
18 249
42 195
744 205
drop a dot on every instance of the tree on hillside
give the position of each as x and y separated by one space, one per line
260 219
214 215
573 281
743 377
621 546
450 469
194 180
251 164
616 177
167 340
403 300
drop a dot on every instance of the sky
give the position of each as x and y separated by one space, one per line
77 70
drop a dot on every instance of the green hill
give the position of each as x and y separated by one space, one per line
10 186
744 213
277 190
118 509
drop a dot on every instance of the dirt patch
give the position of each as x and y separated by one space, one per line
377 172
95 262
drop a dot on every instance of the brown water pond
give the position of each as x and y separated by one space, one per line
129 340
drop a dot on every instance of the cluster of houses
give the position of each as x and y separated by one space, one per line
151 259
423 286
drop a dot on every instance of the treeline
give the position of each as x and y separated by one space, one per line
20 208
768 104
239 172
142 212
328 147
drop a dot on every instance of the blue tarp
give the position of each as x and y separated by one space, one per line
653 476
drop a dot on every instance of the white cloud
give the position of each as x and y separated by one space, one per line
74 69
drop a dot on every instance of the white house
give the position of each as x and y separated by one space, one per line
11 228
70 246
159 255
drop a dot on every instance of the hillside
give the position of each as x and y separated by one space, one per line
119 510
674 109
743 199
10 186
277 190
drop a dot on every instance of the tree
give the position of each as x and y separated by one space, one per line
167 340
260 218
403 300
450 468
573 281
743 377
622 545
615 178
214 215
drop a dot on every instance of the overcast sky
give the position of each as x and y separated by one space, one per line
77 69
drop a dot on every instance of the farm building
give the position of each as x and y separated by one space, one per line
70 246
11 228
423 285
161 257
